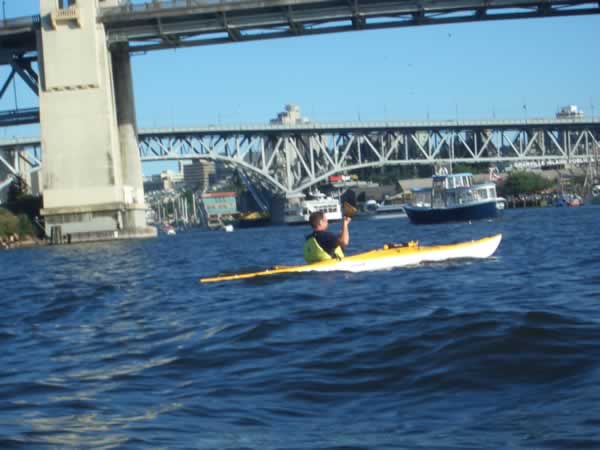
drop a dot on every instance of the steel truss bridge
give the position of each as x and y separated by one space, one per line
292 158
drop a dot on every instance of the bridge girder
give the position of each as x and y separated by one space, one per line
294 158
163 24
184 23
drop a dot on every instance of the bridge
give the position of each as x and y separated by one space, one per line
157 25
292 158
92 178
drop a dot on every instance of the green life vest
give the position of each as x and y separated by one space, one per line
313 252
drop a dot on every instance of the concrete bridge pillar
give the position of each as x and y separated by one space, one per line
126 122
92 178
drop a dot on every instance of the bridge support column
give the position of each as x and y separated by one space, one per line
126 121
92 179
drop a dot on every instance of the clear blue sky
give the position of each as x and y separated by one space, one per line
464 71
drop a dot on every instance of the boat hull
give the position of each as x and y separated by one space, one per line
382 213
385 258
466 213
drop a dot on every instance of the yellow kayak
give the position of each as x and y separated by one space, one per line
388 257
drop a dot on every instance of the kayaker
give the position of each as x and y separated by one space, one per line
321 244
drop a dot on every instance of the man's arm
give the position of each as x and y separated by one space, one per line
344 236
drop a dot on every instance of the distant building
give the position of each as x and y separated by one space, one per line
220 202
199 174
153 183
291 116
167 181
219 208
171 179
569 112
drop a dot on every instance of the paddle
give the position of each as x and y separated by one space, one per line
349 210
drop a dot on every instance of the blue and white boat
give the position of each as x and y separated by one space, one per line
454 198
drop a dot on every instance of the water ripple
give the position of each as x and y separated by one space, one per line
116 345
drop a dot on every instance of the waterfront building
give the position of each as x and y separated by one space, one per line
171 179
219 208
153 183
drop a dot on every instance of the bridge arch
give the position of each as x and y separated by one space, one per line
232 161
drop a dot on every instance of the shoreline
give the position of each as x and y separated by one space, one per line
27 242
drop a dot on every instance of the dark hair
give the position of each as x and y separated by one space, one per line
315 218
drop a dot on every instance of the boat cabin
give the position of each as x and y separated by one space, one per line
454 190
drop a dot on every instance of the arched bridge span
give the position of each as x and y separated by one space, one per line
292 158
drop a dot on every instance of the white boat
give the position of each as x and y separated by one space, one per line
169 230
500 203
299 210
374 210
388 257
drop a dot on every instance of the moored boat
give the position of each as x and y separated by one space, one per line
169 230
593 197
300 210
389 211
453 198
373 210
388 257
571 200
254 219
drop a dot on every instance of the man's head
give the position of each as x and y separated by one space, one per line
318 221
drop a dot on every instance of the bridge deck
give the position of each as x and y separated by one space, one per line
180 23
17 36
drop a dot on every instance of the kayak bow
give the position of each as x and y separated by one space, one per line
388 257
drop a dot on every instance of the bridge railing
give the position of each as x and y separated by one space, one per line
153 5
367 125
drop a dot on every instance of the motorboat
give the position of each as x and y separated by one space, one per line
453 198
373 210
299 210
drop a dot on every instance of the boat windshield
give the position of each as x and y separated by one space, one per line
459 180
421 197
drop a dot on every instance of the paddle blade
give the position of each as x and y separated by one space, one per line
348 209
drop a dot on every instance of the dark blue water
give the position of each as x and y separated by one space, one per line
117 345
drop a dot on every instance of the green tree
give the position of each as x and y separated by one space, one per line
9 223
524 183
24 226
471 168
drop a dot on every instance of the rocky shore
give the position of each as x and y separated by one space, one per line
14 241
